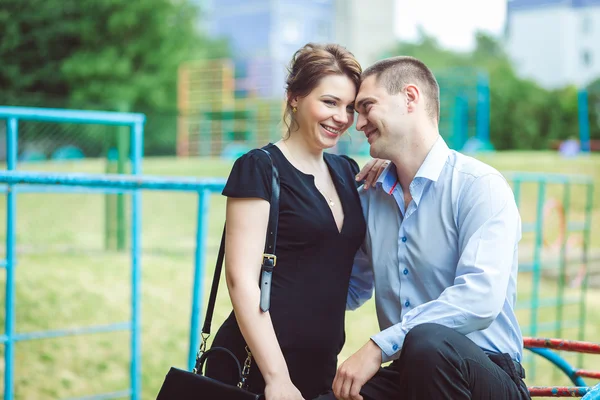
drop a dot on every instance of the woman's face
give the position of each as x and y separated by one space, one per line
326 112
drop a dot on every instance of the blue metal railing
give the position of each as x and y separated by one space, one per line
13 115
126 184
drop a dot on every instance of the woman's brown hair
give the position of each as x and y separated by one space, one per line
309 65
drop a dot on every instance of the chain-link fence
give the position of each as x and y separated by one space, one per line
43 141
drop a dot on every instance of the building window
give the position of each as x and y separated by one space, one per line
586 57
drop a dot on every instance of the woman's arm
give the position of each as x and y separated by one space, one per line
245 241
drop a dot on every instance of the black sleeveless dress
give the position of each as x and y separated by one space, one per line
310 281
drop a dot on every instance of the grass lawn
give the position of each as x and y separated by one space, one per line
65 278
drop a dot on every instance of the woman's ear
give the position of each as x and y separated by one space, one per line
293 101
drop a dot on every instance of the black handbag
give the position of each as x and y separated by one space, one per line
185 385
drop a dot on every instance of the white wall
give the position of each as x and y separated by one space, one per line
366 28
547 44
588 41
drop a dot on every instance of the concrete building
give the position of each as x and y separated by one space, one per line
554 42
366 28
264 34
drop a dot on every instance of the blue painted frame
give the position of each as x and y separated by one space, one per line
124 184
584 120
582 390
135 122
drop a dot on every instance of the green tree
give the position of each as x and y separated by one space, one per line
523 115
104 54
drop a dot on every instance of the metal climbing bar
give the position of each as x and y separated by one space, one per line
563 345
71 116
111 181
554 194
544 346
558 391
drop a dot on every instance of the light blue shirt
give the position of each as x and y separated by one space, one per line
450 257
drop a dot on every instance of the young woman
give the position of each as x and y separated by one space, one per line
296 343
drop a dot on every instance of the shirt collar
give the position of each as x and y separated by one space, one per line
388 179
430 169
434 162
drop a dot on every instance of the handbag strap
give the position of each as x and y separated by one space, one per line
269 257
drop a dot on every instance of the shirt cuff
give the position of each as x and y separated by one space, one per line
390 342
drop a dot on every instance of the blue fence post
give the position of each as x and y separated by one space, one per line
199 266
483 109
584 120
460 130
9 330
136 233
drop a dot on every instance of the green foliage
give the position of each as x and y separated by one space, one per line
523 115
107 54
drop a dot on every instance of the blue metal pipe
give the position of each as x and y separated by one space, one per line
72 331
593 394
71 116
483 108
136 233
9 324
584 120
561 364
112 181
199 266
42 189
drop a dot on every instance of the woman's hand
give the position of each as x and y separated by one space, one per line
282 389
371 172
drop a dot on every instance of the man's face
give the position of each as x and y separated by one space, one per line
383 117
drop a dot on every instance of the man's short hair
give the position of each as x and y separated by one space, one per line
396 72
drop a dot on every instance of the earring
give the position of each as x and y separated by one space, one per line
294 109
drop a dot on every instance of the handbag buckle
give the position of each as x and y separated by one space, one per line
273 257
205 337
201 350
246 369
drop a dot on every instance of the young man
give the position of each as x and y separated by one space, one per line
440 251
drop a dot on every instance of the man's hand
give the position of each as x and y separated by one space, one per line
356 371
371 171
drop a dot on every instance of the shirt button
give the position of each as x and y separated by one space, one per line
405 271
395 347
407 303
404 238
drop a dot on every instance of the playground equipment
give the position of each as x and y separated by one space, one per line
542 347
204 188
123 184
584 121
17 181
13 115
221 102
59 140
588 104
547 312
465 108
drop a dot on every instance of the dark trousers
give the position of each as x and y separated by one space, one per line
439 363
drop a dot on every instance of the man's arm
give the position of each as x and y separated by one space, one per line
361 281
489 230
